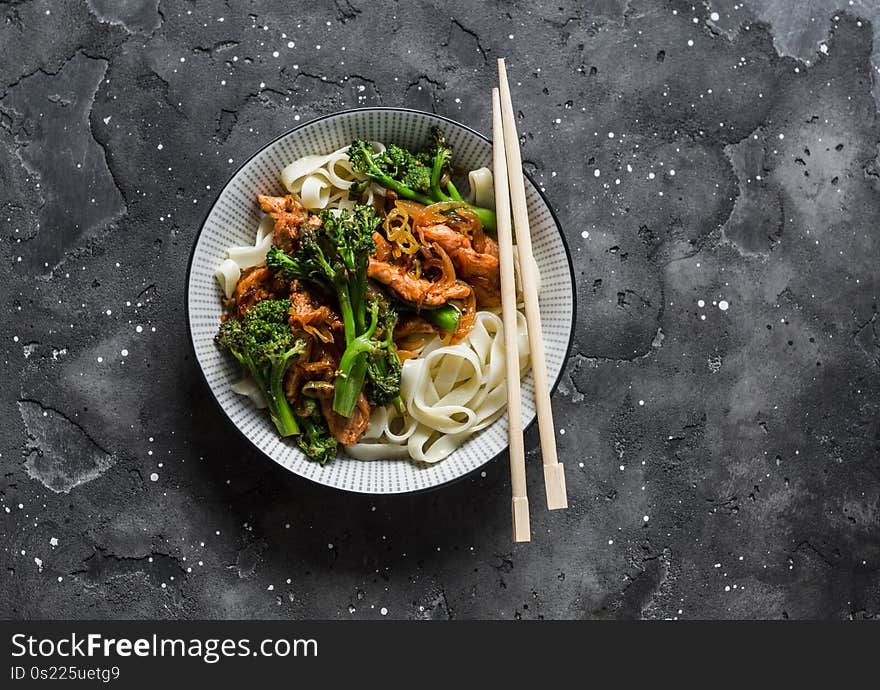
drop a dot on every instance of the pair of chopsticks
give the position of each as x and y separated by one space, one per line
510 194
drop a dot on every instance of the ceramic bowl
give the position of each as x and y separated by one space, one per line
232 220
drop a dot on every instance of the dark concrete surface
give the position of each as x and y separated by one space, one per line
720 462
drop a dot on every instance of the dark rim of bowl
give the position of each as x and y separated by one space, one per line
339 114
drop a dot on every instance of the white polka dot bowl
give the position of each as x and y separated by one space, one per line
232 220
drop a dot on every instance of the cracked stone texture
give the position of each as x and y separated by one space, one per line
720 463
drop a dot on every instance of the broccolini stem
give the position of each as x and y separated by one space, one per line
436 174
486 216
384 180
279 408
357 292
348 388
362 344
453 192
353 368
345 307
445 317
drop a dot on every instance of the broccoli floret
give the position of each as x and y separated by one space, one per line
366 162
401 165
424 177
357 190
351 238
440 156
316 441
263 342
310 263
383 366
335 256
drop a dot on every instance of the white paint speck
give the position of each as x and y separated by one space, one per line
714 16
154 477
383 611
723 305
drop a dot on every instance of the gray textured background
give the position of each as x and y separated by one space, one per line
720 463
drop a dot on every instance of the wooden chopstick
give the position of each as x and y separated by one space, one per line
554 475
519 502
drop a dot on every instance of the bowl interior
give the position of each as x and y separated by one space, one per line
233 221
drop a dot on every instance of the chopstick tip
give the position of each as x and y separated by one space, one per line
554 482
522 530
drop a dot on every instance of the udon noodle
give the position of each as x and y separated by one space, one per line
450 392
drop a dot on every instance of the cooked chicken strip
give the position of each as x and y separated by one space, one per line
451 240
309 316
288 215
481 270
256 283
347 430
415 290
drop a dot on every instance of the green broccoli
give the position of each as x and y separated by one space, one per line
263 342
440 157
316 441
335 256
383 365
420 177
445 317
401 165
